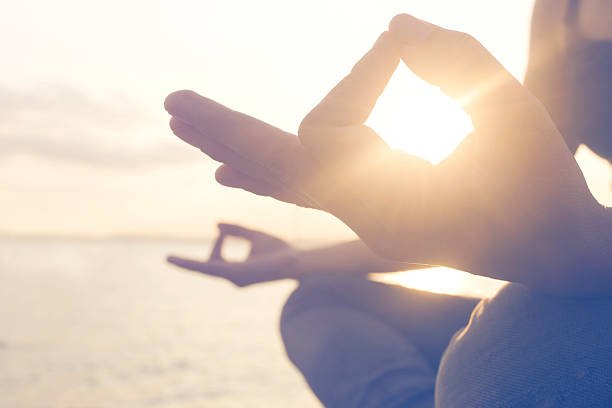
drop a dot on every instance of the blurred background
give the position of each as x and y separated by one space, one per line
95 190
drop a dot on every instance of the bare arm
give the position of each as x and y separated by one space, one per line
353 257
271 258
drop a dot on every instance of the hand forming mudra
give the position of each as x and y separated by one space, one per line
268 258
510 202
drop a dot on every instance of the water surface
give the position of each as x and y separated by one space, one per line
106 323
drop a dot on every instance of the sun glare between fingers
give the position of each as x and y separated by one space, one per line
416 117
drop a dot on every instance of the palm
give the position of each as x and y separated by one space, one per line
508 193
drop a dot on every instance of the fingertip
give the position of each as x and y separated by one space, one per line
174 123
409 30
382 38
180 127
398 20
173 102
387 43
186 133
223 175
229 177
223 226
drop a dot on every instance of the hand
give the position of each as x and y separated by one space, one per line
510 202
269 258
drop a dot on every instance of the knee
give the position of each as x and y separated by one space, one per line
314 292
307 317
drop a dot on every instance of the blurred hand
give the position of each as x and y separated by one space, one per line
510 202
269 258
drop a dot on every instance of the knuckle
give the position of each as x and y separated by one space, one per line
466 38
463 41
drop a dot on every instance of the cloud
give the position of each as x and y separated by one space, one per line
57 121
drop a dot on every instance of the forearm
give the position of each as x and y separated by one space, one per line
351 258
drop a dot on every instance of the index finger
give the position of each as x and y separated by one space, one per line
352 100
237 231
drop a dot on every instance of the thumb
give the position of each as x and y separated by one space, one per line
458 64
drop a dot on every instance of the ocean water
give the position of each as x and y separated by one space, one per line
106 323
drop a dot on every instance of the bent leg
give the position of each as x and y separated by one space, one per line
525 349
360 343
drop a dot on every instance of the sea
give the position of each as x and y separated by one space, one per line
96 323
107 323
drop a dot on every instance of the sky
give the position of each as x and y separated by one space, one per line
85 148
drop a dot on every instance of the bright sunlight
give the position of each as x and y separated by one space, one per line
418 118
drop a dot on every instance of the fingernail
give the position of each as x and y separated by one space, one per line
410 31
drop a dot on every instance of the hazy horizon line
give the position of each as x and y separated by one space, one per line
128 237
5 235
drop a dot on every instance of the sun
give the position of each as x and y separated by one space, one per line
416 117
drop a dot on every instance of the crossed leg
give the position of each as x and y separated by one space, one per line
360 343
